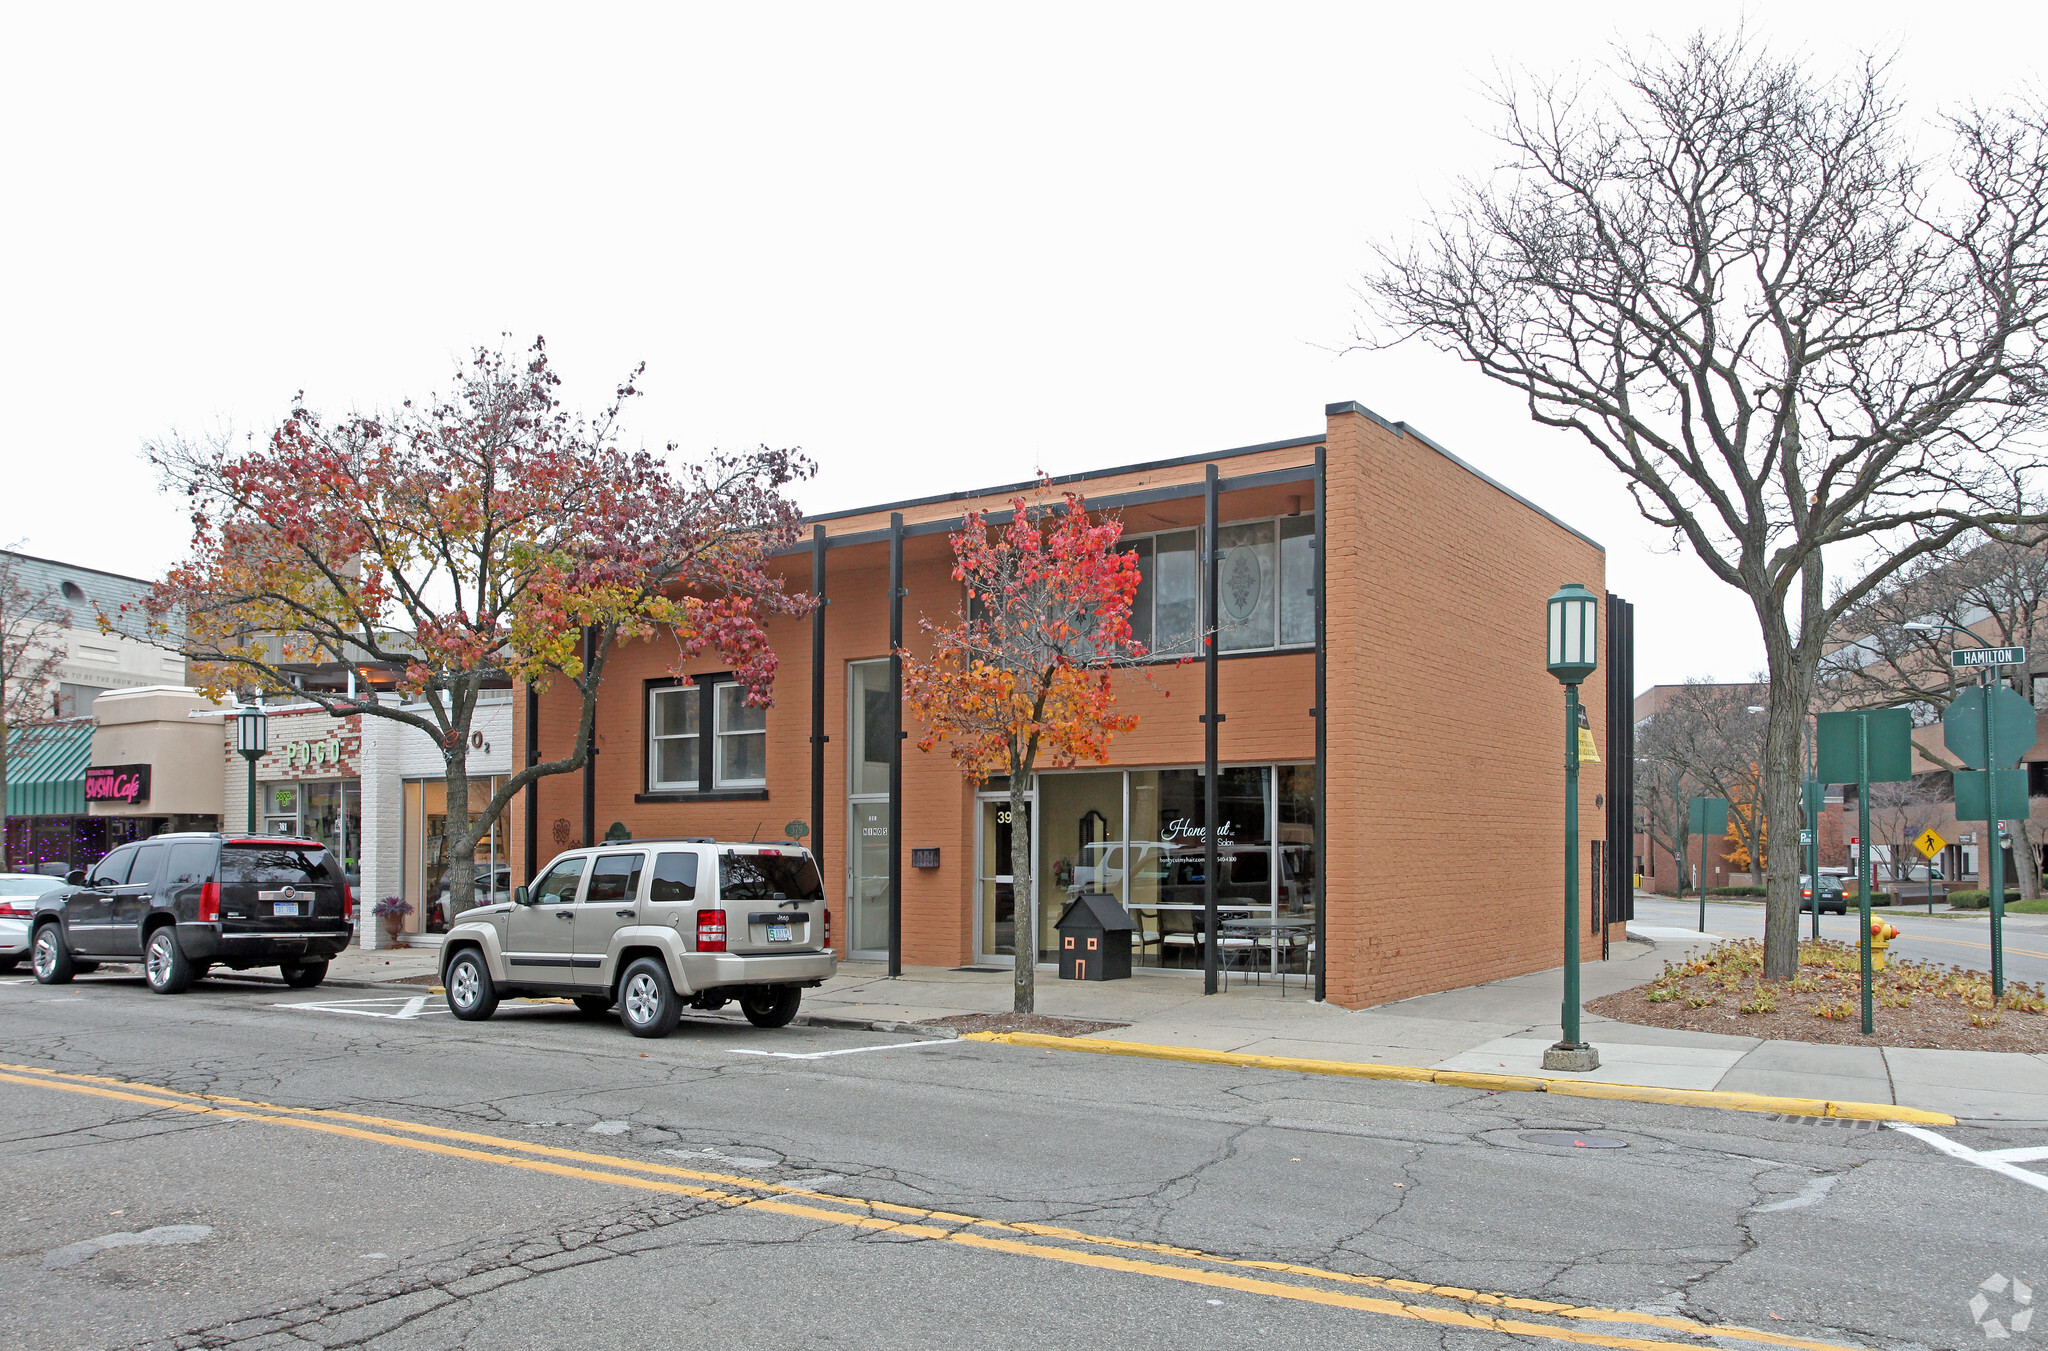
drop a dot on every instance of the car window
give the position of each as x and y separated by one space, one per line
769 877
190 862
28 886
675 878
273 865
149 862
560 883
112 870
615 878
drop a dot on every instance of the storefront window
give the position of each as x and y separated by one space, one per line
1265 587
874 722
1079 815
429 865
332 813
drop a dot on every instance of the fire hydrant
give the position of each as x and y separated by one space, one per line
1881 935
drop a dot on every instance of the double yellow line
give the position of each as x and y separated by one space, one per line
1461 1309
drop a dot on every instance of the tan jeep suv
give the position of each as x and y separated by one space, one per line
651 926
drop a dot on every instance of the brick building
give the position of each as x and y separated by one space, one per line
1443 731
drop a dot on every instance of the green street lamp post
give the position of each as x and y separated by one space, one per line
1573 654
252 738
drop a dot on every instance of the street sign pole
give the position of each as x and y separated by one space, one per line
1862 859
1992 845
1812 790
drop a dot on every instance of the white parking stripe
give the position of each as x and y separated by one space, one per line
2032 1155
1969 1155
411 1007
820 1055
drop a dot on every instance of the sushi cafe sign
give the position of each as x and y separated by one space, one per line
126 784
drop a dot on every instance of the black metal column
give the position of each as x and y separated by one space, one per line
1618 897
1211 719
532 842
818 737
590 747
1321 956
895 743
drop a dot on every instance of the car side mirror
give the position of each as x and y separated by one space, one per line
520 896
75 878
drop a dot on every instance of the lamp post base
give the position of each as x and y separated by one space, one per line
1566 1056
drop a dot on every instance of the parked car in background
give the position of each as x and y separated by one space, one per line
1830 894
489 887
18 893
184 903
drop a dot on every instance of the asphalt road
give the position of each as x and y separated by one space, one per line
249 1167
1959 940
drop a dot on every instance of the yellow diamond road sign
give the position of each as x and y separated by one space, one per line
1929 843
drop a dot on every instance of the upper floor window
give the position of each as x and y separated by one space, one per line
705 736
1265 595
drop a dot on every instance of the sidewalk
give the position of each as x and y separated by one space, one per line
1500 1028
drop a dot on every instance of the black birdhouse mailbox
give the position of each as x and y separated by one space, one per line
1095 939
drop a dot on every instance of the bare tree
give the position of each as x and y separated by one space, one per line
1994 586
1706 741
32 624
1806 347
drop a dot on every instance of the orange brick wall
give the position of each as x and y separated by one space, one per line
1446 783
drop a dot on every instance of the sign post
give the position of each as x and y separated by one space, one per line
1709 818
1865 747
1989 727
1816 797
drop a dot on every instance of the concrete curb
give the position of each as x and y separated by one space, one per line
1499 1083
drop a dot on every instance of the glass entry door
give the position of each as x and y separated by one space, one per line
868 925
995 909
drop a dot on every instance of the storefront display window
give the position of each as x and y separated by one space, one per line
428 863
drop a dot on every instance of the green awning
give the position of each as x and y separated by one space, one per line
46 769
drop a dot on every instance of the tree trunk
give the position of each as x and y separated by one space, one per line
1024 900
1791 694
2025 856
459 835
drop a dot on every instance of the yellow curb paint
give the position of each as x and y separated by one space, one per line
205 1104
1506 1083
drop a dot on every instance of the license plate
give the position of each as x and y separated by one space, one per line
284 908
778 933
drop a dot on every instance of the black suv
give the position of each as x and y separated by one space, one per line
185 903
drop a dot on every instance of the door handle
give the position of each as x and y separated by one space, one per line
564 914
625 914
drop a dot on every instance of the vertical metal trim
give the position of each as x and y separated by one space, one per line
1211 940
1322 834
896 744
590 748
531 850
818 737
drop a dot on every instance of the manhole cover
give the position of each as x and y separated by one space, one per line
1573 1140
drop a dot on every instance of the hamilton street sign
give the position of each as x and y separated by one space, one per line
1970 658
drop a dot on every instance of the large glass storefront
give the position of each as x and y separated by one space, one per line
428 862
871 729
327 810
1139 835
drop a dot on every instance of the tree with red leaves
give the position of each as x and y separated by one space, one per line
32 623
1026 671
456 545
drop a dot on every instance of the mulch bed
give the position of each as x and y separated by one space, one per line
1916 1004
1022 1022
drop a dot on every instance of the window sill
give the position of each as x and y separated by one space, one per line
696 795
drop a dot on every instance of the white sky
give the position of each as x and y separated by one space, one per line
935 246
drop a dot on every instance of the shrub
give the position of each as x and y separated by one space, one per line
1979 898
1737 891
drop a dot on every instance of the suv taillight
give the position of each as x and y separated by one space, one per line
209 901
711 931
348 903
828 929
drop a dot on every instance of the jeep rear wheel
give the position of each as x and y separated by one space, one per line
50 957
164 963
472 996
648 1005
770 1005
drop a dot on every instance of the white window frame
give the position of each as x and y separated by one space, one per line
720 735
654 697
